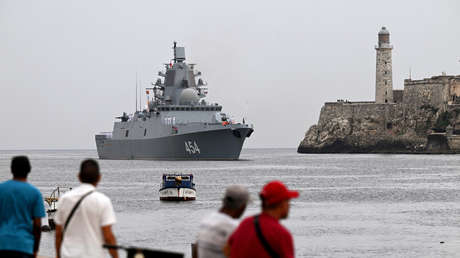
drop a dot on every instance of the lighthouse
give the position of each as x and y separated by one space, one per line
383 72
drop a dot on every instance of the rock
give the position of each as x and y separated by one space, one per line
369 128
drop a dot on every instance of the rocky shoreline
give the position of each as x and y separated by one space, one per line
381 147
384 128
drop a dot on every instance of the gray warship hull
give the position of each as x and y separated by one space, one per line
219 144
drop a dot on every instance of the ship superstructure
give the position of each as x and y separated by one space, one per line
178 123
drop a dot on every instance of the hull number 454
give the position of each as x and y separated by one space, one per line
191 147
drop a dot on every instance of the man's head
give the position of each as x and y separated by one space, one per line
235 200
275 198
20 167
89 172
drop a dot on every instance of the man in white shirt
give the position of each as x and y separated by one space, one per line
218 226
90 226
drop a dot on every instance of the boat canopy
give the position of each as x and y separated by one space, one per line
177 181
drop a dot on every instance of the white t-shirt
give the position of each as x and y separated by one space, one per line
83 236
215 230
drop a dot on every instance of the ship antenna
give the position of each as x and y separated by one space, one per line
140 99
136 91
174 47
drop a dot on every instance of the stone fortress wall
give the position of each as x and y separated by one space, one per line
423 117
398 96
376 114
410 104
432 91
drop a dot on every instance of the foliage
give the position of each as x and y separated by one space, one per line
443 121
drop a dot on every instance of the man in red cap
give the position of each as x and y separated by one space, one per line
262 235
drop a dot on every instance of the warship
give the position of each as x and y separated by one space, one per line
177 123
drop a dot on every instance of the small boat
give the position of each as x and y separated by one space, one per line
177 187
51 209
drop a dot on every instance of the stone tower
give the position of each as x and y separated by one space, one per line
383 73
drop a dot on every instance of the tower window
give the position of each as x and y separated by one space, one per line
385 62
385 72
385 82
127 132
145 131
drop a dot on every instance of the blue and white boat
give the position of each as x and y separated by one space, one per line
177 187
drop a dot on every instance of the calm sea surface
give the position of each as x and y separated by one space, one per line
349 205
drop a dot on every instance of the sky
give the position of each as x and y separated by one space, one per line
67 68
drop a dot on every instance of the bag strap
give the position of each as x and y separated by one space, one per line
72 212
262 239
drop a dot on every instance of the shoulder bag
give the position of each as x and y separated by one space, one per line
262 239
72 212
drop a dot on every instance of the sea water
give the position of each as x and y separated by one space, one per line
349 205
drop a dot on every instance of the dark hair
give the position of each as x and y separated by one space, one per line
263 202
232 204
20 166
89 171
266 206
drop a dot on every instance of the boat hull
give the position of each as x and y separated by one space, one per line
222 144
177 194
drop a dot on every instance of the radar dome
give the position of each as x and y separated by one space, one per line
188 96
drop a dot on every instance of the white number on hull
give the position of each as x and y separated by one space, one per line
170 120
191 147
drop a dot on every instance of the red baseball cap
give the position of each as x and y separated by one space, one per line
275 191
